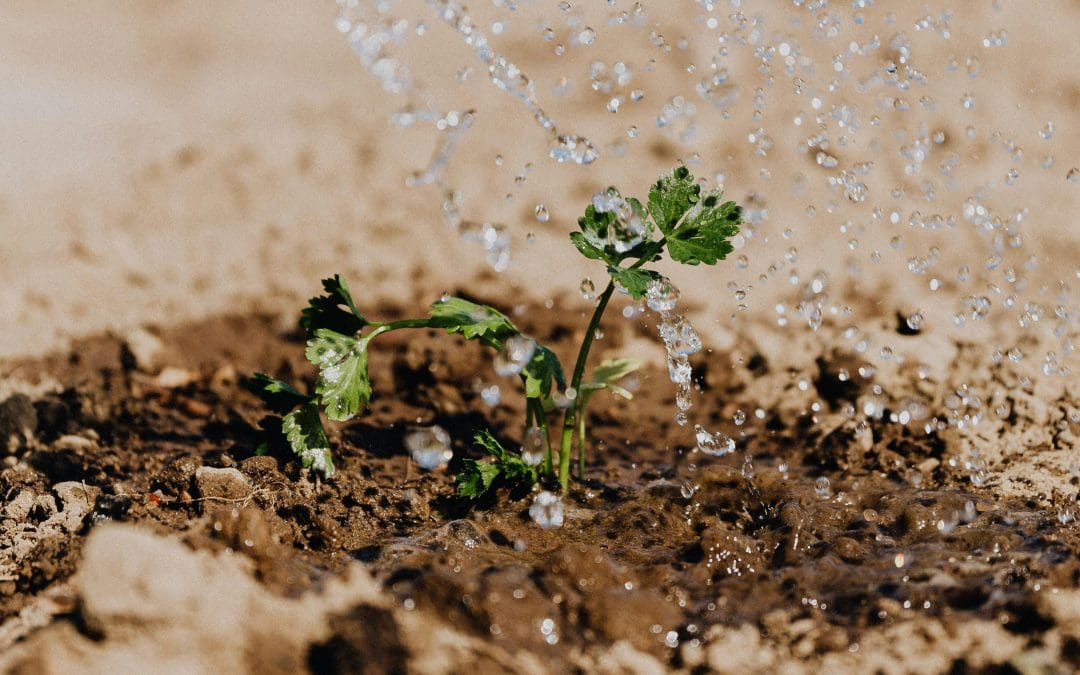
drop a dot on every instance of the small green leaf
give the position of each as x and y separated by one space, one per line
304 431
635 281
475 478
612 370
473 321
671 197
588 250
594 224
335 311
343 385
486 440
543 369
279 396
704 235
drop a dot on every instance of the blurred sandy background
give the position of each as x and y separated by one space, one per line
168 160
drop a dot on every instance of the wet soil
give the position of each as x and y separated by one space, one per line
819 533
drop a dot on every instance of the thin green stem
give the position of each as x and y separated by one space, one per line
541 420
402 323
584 398
570 416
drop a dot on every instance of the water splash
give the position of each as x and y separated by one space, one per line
430 447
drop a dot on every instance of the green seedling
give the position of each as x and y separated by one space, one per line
694 226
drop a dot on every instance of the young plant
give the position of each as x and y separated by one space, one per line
338 340
692 225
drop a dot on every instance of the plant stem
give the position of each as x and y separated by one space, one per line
570 416
584 398
403 323
541 421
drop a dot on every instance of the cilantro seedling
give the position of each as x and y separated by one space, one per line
477 477
692 225
338 340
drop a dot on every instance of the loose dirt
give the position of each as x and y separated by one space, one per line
139 524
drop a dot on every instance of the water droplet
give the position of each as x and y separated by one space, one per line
661 295
576 149
914 320
717 445
587 36
822 487
588 290
682 398
430 447
491 395
1074 175
679 336
679 369
514 355
748 468
532 446
542 214
547 510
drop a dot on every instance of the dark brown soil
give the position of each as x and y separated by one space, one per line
661 544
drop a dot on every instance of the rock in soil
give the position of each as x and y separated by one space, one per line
221 485
18 422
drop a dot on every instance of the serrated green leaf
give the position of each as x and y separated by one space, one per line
334 311
594 224
472 320
588 250
671 197
343 386
635 281
514 469
542 370
279 396
486 440
304 431
704 234
475 478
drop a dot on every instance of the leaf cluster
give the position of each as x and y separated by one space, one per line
338 340
694 227
477 477
298 419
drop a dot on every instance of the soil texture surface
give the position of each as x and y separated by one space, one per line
132 489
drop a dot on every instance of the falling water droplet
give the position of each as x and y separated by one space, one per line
576 149
514 355
547 510
680 337
718 444
661 295
588 290
430 447
532 446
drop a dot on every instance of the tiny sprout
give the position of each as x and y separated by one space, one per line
680 217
